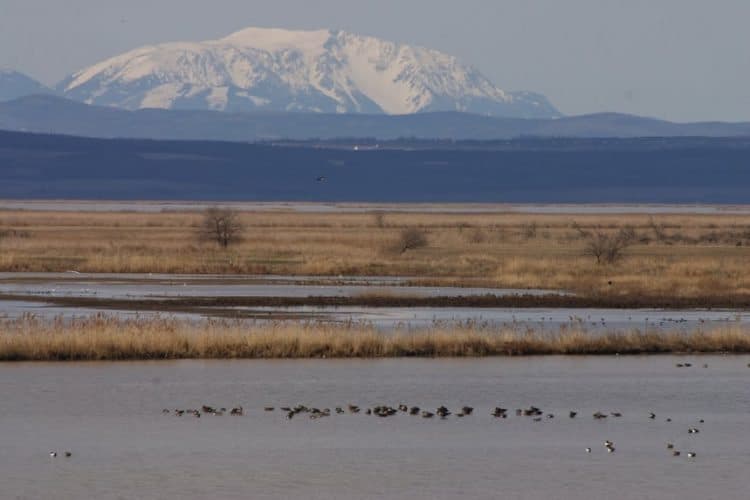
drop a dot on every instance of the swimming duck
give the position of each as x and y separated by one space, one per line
501 412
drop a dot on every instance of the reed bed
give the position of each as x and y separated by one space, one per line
104 337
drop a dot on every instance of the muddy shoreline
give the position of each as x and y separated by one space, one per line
227 305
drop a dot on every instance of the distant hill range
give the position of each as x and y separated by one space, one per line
677 170
56 115
14 85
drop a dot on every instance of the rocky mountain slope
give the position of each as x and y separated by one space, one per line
311 71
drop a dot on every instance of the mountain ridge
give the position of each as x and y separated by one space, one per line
14 84
330 71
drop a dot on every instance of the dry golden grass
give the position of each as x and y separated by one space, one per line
107 338
692 255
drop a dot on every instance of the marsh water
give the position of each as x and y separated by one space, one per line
138 287
109 416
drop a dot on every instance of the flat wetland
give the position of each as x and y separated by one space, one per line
123 334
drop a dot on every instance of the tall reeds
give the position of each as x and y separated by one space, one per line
107 338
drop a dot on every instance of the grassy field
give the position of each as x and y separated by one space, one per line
106 338
675 255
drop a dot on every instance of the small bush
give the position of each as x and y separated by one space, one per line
411 238
379 219
529 230
477 236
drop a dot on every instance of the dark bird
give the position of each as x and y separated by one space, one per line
321 178
573 414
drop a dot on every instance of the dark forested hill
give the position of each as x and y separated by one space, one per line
55 115
604 170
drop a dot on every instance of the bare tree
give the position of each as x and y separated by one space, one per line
221 225
607 248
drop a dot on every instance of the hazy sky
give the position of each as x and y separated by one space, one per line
676 59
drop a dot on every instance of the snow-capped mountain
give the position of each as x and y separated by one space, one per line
281 70
14 85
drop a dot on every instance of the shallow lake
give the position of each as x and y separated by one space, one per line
109 415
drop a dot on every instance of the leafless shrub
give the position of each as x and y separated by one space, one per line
607 248
477 236
529 230
14 233
628 234
658 229
411 238
379 218
221 225
581 232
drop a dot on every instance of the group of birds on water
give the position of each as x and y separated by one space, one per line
534 413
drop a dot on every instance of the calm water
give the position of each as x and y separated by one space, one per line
151 286
145 286
109 416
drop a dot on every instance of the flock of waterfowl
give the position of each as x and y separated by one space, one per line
534 413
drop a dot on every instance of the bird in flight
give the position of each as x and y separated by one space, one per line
321 178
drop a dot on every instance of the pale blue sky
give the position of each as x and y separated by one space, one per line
676 59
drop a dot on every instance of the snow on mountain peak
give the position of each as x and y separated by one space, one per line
284 70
